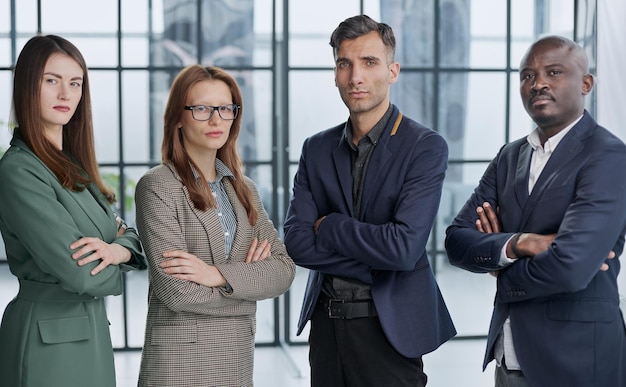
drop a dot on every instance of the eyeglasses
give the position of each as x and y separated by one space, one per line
204 113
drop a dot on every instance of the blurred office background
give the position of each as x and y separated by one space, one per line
459 62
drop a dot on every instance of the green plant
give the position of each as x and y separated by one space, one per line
113 181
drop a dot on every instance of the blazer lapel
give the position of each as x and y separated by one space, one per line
564 153
522 172
209 222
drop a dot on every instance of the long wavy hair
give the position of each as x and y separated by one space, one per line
75 166
173 150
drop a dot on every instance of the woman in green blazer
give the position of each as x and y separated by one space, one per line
63 242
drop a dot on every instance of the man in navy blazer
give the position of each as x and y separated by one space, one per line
545 216
364 201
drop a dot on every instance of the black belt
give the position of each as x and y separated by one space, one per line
346 310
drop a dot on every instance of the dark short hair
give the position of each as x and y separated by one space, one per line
356 26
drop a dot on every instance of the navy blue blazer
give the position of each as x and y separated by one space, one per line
386 248
566 323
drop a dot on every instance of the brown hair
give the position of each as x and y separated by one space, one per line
75 166
173 151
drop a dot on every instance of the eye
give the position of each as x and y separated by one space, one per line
343 65
371 63
200 108
51 81
555 72
75 84
227 108
525 76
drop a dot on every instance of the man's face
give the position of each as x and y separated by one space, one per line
363 74
553 82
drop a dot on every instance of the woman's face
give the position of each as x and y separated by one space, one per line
61 91
200 137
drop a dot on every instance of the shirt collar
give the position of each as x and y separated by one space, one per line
374 134
550 145
221 171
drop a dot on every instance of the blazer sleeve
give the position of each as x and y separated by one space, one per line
467 247
592 226
261 279
39 229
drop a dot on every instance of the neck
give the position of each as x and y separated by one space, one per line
206 164
55 136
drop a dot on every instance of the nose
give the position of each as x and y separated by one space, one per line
539 82
64 92
355 76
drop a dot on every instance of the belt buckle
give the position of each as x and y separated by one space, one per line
330 306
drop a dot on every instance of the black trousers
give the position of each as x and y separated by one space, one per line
355 353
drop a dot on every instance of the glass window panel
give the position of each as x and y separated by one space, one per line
131 178
455 37
265 321
115 315
296 295
262 177
473 128
5 53
529 23
255 138
71 16
262 24
97 51
9 284
413 94
136 128
105 110
413 23
461 179
315 105
159 87
488 40
520 123
309 35
26 16
5 19
135 52
6 78
469 297
136 293
135 16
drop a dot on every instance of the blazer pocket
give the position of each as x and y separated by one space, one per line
581 310
64 330
173 334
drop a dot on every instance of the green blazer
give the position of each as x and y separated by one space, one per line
55 332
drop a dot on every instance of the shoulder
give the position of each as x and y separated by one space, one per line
160 176
17 163
410 133
327 136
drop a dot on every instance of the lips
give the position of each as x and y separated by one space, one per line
61 108
540 99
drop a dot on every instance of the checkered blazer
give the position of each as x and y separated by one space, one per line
197 335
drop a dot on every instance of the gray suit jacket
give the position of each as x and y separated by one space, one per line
197 335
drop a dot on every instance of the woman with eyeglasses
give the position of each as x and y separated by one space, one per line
64 243
211 247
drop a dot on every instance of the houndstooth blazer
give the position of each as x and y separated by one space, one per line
197 335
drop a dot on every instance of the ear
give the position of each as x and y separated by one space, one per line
394 71
588 82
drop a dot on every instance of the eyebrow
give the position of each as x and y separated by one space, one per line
60 77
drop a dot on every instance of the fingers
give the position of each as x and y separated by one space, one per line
483 220
493 217
258 251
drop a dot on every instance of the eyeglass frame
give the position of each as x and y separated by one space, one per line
236 108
